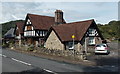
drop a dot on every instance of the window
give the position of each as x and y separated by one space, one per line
91 31
33 33
43 33
29 27
40 33
91 40
70 45
29 33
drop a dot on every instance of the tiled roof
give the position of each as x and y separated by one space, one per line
78 29
41 22
20 26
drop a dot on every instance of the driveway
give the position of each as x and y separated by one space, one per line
110 61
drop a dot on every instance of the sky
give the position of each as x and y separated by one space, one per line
101 12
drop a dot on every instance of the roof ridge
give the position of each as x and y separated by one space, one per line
39 15
80 21
66 24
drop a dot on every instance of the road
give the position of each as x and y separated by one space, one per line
114 45
13 61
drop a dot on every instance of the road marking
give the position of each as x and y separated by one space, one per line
20 61
3 55
49 71
16 60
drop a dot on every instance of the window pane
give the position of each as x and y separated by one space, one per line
70 45
91 40
40 33
43 33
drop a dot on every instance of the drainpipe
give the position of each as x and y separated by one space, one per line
85 52
85 45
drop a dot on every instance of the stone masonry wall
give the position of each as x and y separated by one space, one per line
53 42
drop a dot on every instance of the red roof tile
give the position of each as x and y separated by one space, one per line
20 26
41 22
65 31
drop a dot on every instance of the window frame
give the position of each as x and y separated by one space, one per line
91 31
70 46
91 41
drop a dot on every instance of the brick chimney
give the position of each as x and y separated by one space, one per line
58 17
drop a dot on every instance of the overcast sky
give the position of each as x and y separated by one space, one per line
102 12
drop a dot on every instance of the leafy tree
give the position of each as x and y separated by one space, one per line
6 26
110 30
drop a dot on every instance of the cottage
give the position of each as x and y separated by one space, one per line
60 37
36 26
9 36
18 32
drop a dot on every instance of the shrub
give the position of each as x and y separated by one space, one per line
41 46
5 45
31 48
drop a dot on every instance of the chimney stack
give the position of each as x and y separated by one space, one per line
58 17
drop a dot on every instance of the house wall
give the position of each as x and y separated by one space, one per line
98 40
77 46
53 42
29 41
18 37
33 41
90 48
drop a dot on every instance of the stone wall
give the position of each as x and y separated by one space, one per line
53 42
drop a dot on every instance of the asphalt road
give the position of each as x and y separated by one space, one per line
114 45
19 62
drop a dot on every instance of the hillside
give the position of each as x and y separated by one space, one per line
6 26
111 30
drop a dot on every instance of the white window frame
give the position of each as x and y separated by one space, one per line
29 33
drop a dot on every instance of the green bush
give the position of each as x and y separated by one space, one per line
5 45
110 30
42 46
31 48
